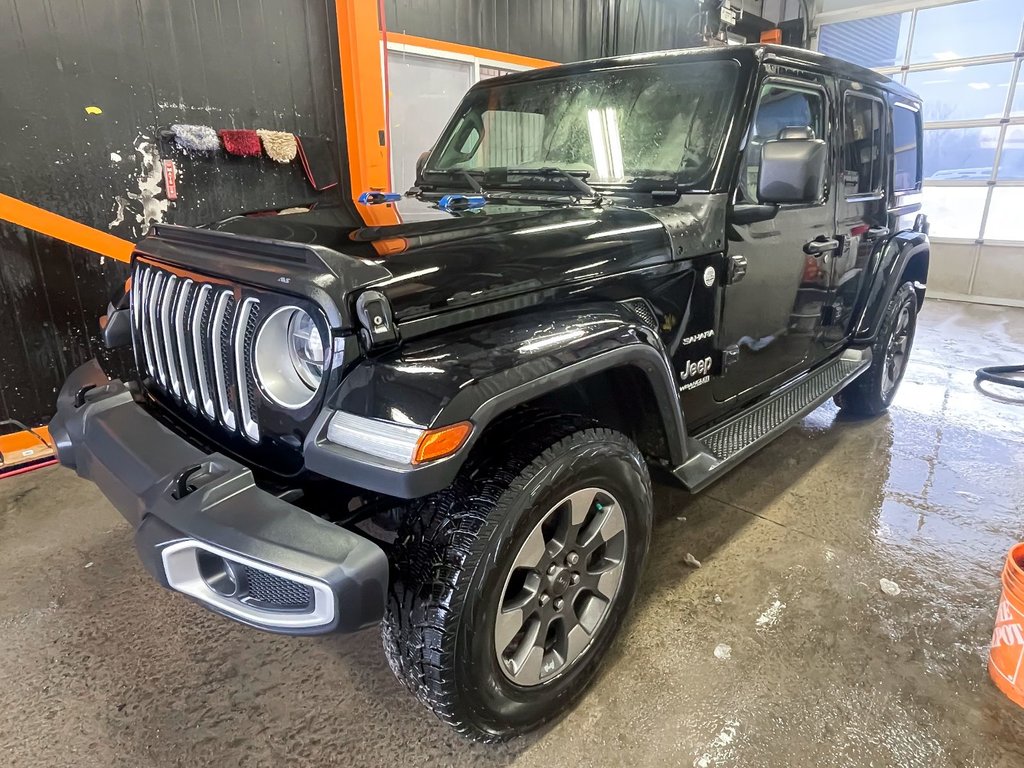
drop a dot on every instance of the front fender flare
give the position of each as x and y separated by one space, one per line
480 373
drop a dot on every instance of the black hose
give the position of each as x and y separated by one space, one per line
994 373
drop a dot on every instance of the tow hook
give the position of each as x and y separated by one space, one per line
80 395
182 488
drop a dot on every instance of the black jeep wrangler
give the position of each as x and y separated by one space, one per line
441 420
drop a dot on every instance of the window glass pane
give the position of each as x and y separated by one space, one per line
779 107
960 153
963 93
954 211
657 122
976 28
1017 105
880 41
1004 214
904 140
1011 162
862 146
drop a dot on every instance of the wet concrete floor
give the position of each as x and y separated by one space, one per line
99 667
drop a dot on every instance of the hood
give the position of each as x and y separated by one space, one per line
440 260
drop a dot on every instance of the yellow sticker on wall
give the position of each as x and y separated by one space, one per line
93 111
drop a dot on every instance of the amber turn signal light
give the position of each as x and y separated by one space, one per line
438 443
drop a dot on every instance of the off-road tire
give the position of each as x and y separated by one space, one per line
452 556
864 396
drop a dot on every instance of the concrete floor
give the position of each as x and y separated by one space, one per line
99 667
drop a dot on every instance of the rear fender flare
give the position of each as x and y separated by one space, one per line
889 265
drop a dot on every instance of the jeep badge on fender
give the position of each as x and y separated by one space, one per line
436 411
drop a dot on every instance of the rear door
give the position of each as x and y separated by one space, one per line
861 210
771 318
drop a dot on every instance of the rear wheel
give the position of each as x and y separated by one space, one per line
510 586
873 391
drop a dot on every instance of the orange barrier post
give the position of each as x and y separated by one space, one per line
1006 656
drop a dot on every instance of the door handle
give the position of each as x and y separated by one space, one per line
821 245
876 233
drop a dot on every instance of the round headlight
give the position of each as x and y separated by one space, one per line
289 357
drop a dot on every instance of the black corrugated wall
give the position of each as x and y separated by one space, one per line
557 30
144 64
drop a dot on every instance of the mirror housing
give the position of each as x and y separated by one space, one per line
752 213
793 168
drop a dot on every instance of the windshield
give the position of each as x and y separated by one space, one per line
662 122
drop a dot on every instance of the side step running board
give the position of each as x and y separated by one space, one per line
725 445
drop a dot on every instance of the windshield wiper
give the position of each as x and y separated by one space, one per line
552 171
459 173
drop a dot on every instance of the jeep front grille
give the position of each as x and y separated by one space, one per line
196 340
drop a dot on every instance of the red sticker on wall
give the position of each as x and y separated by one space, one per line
170 180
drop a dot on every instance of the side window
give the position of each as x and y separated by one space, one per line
862 145
779 106
907 156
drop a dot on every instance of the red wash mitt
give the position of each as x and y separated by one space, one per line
242 143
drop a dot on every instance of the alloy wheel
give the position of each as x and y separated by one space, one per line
560 587
896 352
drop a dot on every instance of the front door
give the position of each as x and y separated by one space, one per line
772 316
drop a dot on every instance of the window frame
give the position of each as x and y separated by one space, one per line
796 84
880 192
919 146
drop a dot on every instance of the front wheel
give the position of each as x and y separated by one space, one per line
873 391
510 586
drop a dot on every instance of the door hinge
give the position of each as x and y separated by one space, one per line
737 268
730 355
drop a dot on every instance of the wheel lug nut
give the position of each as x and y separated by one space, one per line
552 569
572 558
574 579
543 598
558 603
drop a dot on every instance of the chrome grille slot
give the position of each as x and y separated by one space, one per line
159 282
167 337
181 312
244 332
223 312
201 325
196 342
202 341
147 318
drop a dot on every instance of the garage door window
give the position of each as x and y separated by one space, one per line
966 61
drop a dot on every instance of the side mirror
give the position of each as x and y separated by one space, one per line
793 168
421 162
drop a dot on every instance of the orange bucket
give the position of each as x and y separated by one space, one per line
1006 655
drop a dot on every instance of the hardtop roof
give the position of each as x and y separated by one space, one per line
749 53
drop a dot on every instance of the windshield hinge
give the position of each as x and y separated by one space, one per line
737 268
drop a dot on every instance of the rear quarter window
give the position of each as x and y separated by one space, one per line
906 132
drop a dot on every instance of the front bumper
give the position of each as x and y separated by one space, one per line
224 540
